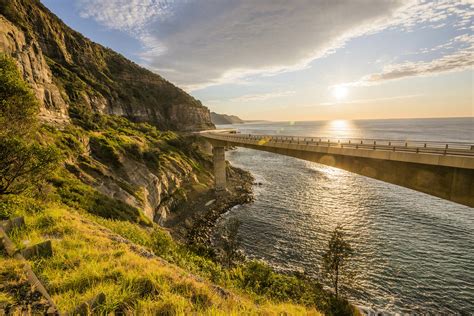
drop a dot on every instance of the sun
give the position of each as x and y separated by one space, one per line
340 92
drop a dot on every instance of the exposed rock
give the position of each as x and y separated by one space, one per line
211 201
35 70
68 70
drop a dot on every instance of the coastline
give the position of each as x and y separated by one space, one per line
195 218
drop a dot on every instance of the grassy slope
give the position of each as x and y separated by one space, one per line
91 256
104 245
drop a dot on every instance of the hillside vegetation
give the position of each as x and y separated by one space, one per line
103 245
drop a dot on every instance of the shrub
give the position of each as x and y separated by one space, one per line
104 150
162 243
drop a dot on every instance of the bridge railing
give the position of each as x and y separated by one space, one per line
431 147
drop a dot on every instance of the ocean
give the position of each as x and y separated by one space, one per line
414 253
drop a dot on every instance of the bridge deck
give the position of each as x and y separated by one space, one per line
454 154
445 170
429 147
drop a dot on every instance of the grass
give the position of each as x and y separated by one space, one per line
89 259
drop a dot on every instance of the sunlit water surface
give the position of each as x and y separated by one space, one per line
415 252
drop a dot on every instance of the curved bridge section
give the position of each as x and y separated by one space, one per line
445 170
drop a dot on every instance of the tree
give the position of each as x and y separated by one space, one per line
230 242
18 105
335 258
23 161
23 165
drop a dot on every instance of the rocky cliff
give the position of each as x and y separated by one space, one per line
68 71
156 173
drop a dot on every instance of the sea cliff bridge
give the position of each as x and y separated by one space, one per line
445 170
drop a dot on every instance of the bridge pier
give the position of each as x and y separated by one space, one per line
218 153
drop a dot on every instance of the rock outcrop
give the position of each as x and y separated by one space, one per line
35 70
68 71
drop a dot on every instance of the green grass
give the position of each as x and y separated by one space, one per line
89 260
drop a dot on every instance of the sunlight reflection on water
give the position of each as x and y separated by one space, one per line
415 253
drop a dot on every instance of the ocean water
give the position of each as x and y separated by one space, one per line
414 252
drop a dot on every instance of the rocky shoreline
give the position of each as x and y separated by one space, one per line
196 218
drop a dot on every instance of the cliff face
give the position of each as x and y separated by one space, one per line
67 71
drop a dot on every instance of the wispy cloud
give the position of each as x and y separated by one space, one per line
373 100
126 15
202 43
459 42
262 96
458 61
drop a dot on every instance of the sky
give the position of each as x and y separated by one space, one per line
296 60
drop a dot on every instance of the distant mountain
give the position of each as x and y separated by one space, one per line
219 119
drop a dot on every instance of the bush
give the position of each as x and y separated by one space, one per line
104 150
162 243
15 205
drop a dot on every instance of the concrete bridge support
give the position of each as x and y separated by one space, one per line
218 153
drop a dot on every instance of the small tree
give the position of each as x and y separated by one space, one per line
23 161
18 105
23 165
335 258
230 242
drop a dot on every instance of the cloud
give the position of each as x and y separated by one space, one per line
458 61
125 15
262 96
361 101
201 43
